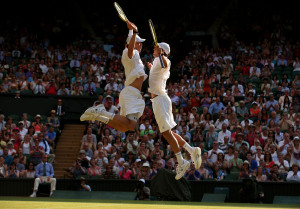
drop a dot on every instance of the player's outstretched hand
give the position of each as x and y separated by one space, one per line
131 26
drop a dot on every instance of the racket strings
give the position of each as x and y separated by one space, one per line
120 11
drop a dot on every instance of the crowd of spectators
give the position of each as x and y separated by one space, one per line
24 142
239 104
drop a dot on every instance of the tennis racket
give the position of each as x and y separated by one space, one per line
155 40
120 11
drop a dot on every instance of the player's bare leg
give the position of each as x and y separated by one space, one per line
183 165
194 151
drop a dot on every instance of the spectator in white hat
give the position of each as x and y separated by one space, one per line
130 100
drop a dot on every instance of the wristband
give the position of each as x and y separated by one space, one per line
135 32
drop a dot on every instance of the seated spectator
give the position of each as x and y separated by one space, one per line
51 88
251 161
204 173
83 159
50 137
37 123
3 167
284 123
170 165
88 152
45 146
44 173
157 165
240 141
211 136
216 107
144 172
253 147
283 165
192 173
107 145
245 170
101 160
53 120
89 143
16 138
12 171
212 154
241 110
77 169
100 148
217 173
274 175
26 146
89 131
259 175
90 87
125 173
94 170
11 151
63 90
254 110
29 172
109 173
223 133
39 88
295 150
22 130
294 174
136 167
220 121
37 152
7 158
19 166
235 164
119 160
142 150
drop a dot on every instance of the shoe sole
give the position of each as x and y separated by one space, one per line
185 169
198 160
92 111
84 117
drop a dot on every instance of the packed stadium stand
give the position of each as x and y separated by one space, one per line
234 87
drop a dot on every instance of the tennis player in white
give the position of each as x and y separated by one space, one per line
130 100
162 108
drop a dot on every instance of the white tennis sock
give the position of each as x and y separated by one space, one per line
109 115
103 119
179 158
188 147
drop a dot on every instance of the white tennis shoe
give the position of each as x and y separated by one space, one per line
87 117
92 113
181 169
96 109
33 194
196 157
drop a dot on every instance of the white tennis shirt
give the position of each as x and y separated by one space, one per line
158 77
134 67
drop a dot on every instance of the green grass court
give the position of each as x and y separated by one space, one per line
49 203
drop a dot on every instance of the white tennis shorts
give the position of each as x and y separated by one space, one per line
162 108
131 102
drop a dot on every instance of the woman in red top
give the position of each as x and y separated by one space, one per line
206 83
251 134
94 170
268 160
254 110
264 114
125 173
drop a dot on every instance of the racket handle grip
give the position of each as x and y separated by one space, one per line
161 62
